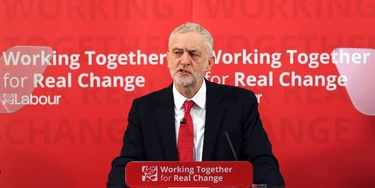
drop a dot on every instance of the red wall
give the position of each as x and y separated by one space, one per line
318 135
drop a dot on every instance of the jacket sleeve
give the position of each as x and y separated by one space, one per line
257 147
132 149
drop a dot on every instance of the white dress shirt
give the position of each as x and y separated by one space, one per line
198 114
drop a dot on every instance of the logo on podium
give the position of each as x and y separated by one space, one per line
150 173
189 174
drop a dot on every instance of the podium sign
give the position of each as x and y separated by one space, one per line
189 174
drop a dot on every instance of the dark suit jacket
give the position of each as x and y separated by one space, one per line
150 135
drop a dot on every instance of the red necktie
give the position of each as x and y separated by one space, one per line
186 135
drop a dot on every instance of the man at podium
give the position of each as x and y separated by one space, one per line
194 119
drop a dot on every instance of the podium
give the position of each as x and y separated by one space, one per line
188 174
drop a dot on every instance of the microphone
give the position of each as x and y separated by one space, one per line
231 146
183 121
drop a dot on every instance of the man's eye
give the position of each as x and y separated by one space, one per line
177 52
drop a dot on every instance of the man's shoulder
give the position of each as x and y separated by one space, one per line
153 97
229 91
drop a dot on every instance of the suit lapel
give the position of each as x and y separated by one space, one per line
214 116
166 124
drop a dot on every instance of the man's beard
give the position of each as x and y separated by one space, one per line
186 81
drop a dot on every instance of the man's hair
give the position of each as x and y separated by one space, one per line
189 27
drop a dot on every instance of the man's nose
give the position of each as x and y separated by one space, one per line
185 59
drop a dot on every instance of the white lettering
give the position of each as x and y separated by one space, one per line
129 83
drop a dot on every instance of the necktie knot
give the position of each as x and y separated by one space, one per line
188 105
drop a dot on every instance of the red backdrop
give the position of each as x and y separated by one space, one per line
318 136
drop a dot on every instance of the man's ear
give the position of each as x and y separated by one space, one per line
210 62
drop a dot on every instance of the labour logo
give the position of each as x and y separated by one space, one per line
150 173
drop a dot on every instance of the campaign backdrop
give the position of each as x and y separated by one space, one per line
318 110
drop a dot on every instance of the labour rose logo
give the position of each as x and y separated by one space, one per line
150 173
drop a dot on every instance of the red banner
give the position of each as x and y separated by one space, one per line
189 174
321 132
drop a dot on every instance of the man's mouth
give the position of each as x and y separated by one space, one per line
183 71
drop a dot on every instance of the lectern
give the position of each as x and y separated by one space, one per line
189 174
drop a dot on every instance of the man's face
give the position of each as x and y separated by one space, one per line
188 58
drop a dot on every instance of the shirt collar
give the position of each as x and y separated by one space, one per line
199 98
